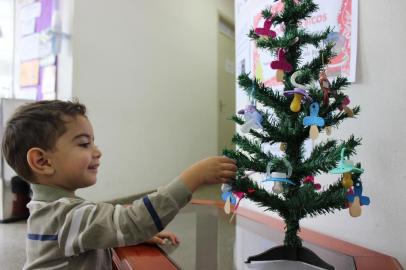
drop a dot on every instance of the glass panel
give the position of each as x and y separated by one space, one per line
6 47
210 241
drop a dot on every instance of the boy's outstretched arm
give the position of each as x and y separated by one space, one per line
85 225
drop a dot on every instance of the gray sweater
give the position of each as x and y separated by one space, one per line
68 232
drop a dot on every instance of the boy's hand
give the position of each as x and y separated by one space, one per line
213 170
160 238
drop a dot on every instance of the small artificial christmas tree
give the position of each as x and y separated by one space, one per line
309 104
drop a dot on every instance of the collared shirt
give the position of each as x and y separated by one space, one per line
68 232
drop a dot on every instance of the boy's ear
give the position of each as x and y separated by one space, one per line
38 161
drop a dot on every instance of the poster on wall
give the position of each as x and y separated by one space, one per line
341 14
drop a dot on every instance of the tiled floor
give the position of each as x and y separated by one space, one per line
12 235
12 245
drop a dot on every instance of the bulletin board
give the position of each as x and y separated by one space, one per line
37 44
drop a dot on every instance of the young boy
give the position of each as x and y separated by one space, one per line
51 145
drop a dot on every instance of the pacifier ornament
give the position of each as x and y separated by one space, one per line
279 178
252 118
344 106
231 197
283 146
266 29
299 93
281 65
325 87
356 200
228 197
310 180
346 167
314 121
328 122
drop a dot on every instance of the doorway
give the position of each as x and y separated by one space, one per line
226 84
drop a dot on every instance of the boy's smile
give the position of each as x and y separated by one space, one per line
75 158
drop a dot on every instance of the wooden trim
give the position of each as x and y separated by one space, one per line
141 257
377 263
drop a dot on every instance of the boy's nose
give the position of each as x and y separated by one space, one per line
97 153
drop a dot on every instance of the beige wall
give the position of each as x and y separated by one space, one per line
147 72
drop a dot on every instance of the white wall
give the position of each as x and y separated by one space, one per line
379 90
6 47
65 57
381 124
147 72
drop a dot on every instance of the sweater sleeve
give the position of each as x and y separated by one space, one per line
93 226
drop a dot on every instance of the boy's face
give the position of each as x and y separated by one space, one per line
75 158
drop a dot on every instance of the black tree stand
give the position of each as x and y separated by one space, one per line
287 253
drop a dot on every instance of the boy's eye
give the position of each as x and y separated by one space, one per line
84 145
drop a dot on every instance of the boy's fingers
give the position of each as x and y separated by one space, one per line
155 240
227 160
173 239
228 174
166 236
229 167
160 240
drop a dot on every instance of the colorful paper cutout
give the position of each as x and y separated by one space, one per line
29 73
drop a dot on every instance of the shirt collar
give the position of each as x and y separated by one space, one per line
49 194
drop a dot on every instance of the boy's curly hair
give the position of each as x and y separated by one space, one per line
37 124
